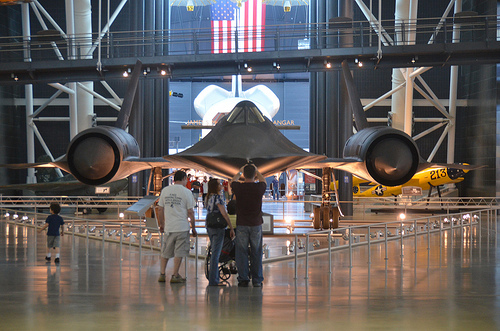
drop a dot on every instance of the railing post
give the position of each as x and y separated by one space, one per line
369 247
402 245
415 236
307 255
486 23
121 243
350 247
295 251
196 257
87 236
385 237
330 252
428 236
361 35
103 238
445 28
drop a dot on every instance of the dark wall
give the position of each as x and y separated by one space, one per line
477 124
12 135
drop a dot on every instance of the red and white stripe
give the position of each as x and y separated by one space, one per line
251 25
250 21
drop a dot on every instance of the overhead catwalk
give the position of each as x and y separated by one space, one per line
443 280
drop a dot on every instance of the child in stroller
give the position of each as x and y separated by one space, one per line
227 265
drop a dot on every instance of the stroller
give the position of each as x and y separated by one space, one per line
227 265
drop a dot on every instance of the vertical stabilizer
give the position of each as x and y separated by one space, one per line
236 86
128 101
357 108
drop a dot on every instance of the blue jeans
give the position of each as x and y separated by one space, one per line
276 194
216 241
249 235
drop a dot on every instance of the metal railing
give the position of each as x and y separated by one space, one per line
318 242
403 231
151 43
78 202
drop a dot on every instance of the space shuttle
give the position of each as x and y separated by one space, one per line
213 101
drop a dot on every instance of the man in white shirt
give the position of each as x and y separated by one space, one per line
175 213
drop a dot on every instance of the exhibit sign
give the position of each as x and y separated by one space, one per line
102 190
411 190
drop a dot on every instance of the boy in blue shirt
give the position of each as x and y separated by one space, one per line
53 222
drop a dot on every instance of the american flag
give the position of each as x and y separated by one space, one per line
249 20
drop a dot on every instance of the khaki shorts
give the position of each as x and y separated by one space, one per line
175 244
53 241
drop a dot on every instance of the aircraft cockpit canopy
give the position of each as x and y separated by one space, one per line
455 173
245 112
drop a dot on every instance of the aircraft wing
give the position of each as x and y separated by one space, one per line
425 165
64 187
49 186
63 165
352 165
142 163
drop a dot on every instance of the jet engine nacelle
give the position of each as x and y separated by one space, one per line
390 156
95 155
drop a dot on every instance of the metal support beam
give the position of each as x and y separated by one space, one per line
438 144
431 129
112 92
44 146
450 157
44 26
28 92
62 88
107 26
374 23
46 103
98 96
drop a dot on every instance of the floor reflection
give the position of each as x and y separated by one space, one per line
444 280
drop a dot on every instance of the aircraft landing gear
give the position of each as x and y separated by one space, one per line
326 217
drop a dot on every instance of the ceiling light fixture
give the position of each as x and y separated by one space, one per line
287 6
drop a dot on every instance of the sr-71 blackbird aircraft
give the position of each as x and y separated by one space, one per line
103 154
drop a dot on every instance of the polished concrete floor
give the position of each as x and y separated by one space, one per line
450 283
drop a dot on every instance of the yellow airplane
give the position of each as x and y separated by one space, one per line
426 180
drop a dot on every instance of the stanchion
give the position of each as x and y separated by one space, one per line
121 243
369 247
402 244
428 236
103 238
196 257
295 253
330 252
87 237
415 237
350 247
307 255
385 237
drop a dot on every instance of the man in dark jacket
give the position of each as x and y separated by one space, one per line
249 224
